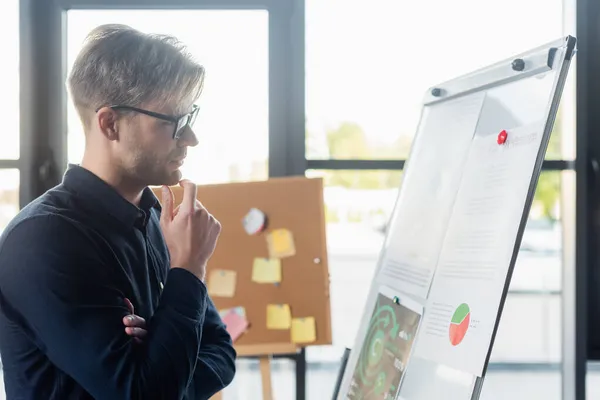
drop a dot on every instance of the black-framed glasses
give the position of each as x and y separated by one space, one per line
180 122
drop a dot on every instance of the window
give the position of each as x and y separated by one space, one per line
9 195
10 149
366 77
10 135
368 65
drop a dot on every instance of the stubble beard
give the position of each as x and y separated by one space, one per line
148 172
161 176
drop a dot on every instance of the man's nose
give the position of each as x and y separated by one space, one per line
188 138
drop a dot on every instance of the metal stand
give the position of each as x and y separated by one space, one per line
300 359
338 382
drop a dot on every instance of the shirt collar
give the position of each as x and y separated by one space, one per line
105 199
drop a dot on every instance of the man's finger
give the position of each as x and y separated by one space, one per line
190 192
129 305
136 332
167 205
199 204
133 321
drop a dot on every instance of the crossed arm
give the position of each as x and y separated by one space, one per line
74 313
216 359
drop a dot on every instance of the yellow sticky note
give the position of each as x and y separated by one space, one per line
279 316
221 283
266 270
281 243
303 330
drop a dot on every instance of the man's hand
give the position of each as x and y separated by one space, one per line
135 326
190 231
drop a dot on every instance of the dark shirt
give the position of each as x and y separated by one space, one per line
67 263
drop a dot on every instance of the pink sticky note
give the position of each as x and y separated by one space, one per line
235 323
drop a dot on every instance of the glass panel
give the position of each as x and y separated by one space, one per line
539 264
9 196
9 207
593 380
232 126
502 384
9 72
357 205
247 382
529 331
366 78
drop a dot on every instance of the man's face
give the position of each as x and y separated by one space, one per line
147 152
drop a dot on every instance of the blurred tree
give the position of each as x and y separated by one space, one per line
547 193
548 188
554 151
349 141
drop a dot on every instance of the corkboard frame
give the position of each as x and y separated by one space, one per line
294 203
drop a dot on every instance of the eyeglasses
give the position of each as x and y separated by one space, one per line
180 122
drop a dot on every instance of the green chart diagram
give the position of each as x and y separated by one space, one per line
459 324
385 351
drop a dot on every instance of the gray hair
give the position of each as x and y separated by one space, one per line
119 65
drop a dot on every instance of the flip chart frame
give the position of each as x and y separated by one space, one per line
553 57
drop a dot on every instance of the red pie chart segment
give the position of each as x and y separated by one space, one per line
460 324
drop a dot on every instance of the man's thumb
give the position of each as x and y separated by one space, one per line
167 205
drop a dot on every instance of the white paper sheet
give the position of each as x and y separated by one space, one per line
424 204
479 243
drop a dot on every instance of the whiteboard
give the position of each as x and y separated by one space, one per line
456 228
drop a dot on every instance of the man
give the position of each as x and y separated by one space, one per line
75 261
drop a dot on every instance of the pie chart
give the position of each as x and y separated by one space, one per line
460 324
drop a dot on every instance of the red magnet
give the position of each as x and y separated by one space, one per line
502 137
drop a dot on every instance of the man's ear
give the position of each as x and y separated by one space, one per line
107 120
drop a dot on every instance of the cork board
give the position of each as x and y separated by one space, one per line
295 204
